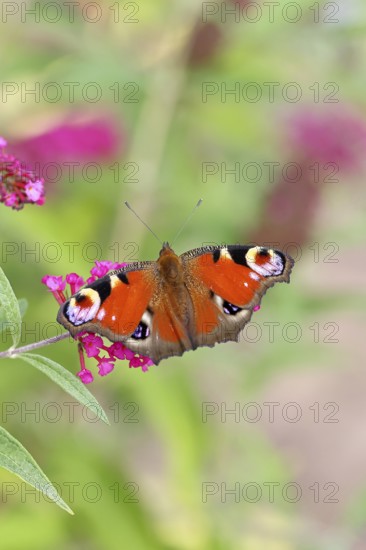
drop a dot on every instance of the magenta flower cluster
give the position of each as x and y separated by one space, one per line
92 344
18 184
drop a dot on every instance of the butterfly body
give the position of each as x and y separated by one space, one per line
178 303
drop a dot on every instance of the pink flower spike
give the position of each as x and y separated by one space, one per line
92 344
18 184
3 142
105 367
85 376
256 308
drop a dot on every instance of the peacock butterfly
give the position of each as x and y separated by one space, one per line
178 303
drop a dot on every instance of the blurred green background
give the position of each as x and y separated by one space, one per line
154 120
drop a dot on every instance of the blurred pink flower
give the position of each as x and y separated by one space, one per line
338 136
240 3
316 141
95 140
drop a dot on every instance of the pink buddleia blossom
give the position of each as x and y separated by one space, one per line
89 343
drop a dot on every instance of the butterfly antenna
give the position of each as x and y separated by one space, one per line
187 220
142 221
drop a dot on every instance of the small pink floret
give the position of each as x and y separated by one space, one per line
10 200
34 190
92 344
54 282
105 367
85 376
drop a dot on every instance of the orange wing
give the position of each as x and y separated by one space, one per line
239 275
226 283
111 306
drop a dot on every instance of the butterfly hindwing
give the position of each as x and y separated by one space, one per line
165 335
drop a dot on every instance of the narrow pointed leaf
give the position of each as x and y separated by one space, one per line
23 306
10 308
15 458
68 382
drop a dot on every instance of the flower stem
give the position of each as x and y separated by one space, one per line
16 351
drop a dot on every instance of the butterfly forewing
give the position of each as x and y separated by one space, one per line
111 306
235 278
238 274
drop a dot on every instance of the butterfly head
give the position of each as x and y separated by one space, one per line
166 250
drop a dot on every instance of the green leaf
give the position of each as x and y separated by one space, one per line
3 323
10 307
23 306
66 380
15 458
